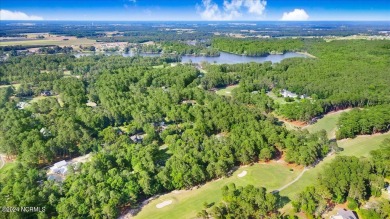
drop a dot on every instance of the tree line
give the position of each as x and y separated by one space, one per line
368 121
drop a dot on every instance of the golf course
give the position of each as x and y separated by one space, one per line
272 175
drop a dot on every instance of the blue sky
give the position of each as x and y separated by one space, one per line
159 10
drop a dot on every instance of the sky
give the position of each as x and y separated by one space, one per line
196 10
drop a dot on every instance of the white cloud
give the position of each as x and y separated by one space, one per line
232 9
17 15
256 6
296 15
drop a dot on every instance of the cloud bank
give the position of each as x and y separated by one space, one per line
230 10
296 15
17 15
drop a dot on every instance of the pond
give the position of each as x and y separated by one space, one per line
224 58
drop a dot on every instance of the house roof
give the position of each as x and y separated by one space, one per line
60 164
345 214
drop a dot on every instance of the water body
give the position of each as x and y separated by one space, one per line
228 58
224 58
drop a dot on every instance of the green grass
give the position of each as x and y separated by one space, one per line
279 100
16 86
158 66
186 204
81 41
272 176
328 123
6 168
227 91
359 147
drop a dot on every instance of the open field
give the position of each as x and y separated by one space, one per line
55 42
186 203
328 123
227 91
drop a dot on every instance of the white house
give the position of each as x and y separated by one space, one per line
344 214
286 93
57 166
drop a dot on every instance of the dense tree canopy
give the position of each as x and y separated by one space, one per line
362 122
256 47
244 202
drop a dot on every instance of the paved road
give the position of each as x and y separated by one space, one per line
292 182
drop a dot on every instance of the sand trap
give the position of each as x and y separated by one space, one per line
163 204
242 174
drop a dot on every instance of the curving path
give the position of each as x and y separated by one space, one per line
292 182
2 162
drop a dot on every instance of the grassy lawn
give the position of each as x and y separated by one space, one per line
6 168
279 100
158 66
59 42
16 86
328 122
227 91
187 203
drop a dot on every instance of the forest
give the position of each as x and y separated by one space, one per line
371 120
244 202
251 47
205 139
186 134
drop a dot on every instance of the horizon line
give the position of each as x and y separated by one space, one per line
225 21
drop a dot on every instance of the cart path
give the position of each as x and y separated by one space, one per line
292 182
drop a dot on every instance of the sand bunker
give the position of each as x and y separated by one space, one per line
242 174
163 204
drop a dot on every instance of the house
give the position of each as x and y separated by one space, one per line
45 132
286 93
59 165
45 93
344 214
137 138
22 105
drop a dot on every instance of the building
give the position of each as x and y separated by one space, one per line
286 93
22 105
45 93
59 165
45 132
137 138
344 214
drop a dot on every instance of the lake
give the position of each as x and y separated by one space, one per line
228 58
224 58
